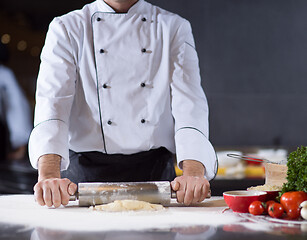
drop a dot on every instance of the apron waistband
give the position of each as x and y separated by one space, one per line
99 158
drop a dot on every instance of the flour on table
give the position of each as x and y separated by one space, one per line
128 205
23 210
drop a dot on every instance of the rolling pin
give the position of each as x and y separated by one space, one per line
96 193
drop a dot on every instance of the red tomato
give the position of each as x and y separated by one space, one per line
291 202
293 213
276 210
267 204
256 208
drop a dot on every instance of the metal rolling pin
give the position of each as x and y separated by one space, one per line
91 194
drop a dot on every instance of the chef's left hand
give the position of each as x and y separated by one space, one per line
192 186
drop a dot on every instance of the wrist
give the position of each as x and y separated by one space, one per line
193 168
49 166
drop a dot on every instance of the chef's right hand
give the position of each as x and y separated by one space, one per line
50 188
54 191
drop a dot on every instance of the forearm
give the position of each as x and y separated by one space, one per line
49 166
193 168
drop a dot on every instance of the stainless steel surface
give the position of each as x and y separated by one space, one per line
101 193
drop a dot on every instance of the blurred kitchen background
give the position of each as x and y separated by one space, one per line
253 61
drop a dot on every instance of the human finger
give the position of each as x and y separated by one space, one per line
55 193
38 194
72 188
175 185
198 192
189 193
205 191
181 191
64 191
47 196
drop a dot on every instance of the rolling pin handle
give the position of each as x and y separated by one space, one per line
73 197
209 194
173 194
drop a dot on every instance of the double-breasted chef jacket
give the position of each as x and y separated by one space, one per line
120 83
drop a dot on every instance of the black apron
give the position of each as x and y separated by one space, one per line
152 165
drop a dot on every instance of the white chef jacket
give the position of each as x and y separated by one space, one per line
16 108
120 83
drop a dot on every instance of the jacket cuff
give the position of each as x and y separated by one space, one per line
49 137
191 144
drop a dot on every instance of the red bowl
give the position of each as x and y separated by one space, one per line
271 195
240 200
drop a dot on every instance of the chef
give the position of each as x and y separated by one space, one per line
118 93
15 113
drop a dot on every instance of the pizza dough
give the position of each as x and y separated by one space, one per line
128 205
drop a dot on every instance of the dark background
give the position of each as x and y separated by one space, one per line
253 60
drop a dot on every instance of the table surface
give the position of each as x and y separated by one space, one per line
22 218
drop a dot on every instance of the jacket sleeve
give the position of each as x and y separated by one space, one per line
17 110
54 96
189 103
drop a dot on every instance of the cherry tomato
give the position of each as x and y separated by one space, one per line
267 204
291 202
256 208
276 210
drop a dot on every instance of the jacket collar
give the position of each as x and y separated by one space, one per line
104 7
